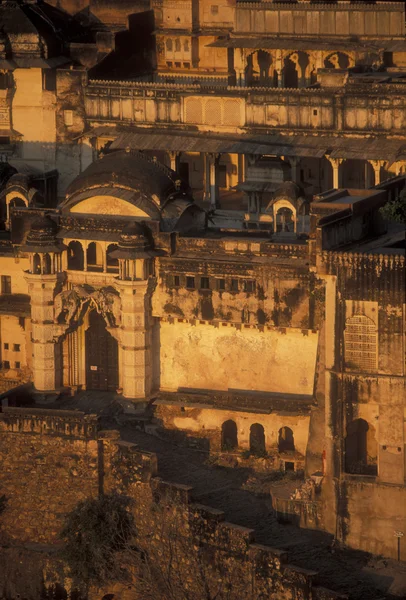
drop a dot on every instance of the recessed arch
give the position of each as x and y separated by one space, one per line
229 436
94 256
111 261
47 264
257 439
76 257
361 448
108 205
36 264
286 442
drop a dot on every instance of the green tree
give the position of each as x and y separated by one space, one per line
395 210
95 534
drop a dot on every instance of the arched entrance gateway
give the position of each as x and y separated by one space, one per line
101 355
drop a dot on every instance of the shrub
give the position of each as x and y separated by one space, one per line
96 533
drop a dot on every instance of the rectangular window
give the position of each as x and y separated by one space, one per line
176 280
16 347
177 65
249 285
68 117
204 283
315 112
234 285
221 285
6 346
190 283
17 365
5 284
169 64
214 9
6 364
186 65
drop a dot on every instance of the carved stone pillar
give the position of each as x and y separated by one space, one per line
213 173
135 338
294 164
46 348
335 163
376 165
174 157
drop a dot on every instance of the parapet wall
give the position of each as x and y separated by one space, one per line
53 459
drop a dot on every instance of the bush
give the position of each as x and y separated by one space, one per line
96 533
395 210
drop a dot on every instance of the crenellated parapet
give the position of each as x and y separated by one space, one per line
38 421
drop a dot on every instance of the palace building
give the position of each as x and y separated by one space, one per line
190 220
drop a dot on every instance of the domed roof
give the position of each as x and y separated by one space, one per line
133 236
288 190
132 176
42 235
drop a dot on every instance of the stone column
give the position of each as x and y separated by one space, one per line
175 159
135 338
335 163
241 170
294 163
206 177
214 189
376 165
46 348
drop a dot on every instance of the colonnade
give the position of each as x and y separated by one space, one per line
371 172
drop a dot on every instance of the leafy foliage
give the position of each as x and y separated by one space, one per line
95 533
395 210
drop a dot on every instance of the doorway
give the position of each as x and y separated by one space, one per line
101 356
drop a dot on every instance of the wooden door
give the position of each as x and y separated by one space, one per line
101 356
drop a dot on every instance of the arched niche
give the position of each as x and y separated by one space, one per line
76 256
361 448
229 436
286 442
257 439
94 257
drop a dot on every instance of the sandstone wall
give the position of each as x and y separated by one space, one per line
221 358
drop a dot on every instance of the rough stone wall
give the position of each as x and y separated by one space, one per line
51 460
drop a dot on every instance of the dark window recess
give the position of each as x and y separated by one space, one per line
289 466
190 283
234 285
21 322
178 65
49 80
315 112
204 283
6 346
249 286
5 284
17 365
16 347
4 141
176 280
6 364
221 285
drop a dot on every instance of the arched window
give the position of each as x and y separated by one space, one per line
169 45
76 260
286 442
94 257
229 439
257 439
47 266
36 265
360 448
177 45
111 262
360 344
284 220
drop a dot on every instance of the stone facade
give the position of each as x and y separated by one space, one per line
277 329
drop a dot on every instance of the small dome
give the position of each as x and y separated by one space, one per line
288 191
133 236
43 231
